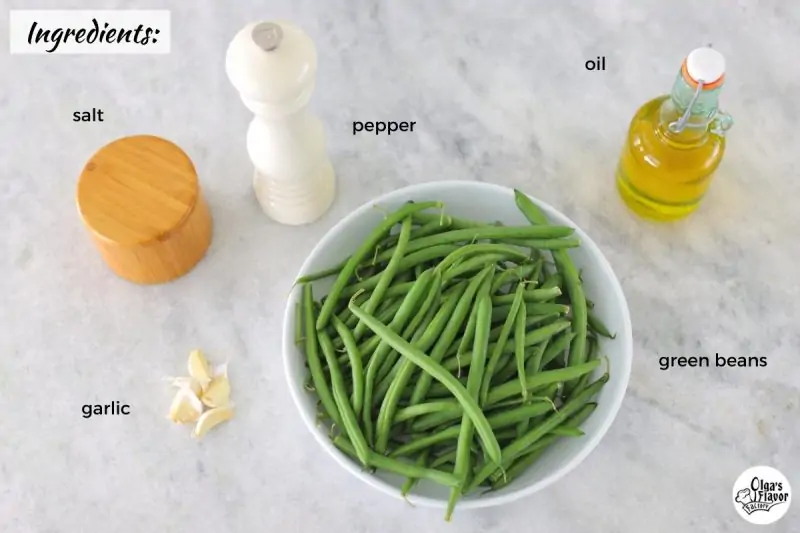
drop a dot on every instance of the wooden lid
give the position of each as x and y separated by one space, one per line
140 199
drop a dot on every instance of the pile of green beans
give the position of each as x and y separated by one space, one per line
452 350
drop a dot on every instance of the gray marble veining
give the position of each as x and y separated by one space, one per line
499 93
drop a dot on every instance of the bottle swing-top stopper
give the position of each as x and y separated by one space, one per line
273 66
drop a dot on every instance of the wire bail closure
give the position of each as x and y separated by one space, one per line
680 124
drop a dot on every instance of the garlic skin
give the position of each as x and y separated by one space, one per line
220 370
188 383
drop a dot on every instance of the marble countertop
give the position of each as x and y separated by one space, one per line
499 94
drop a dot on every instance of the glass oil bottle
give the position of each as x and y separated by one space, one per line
676 142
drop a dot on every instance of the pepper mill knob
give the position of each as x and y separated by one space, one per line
273 66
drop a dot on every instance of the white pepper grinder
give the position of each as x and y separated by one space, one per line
273 66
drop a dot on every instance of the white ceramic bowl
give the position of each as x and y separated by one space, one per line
488 202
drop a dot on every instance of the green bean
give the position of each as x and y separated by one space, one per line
348 416
418 325
364 271
530 455
420 409
494 334
501 312
429 228
399 289
410 482
312 357
385 313
593 352
472 264
432 420
513 450
469 334
532 367
502 419
420 443
537 273
553 280
349 268
386 276
512 388
389 402
455 223
519 272
567 432
399 467
596 325
450 331
580 417
572 282
443 459
368 347
505 437
506 369
557 347
480 346
532 296
409 261
534 364
540 233
545 244
298 324
524 462
482 248
314 276
429 334
540 334
347 317
501 343
400 319
509 417
388 307
432 297
531 338
519 348
432 368
436 391
356 366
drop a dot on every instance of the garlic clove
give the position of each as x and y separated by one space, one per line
211 419
186 407
199 368
218 392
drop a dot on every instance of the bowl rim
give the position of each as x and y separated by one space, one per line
624 336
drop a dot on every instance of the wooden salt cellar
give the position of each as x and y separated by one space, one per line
140 199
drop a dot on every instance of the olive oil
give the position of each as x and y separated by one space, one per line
676 142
